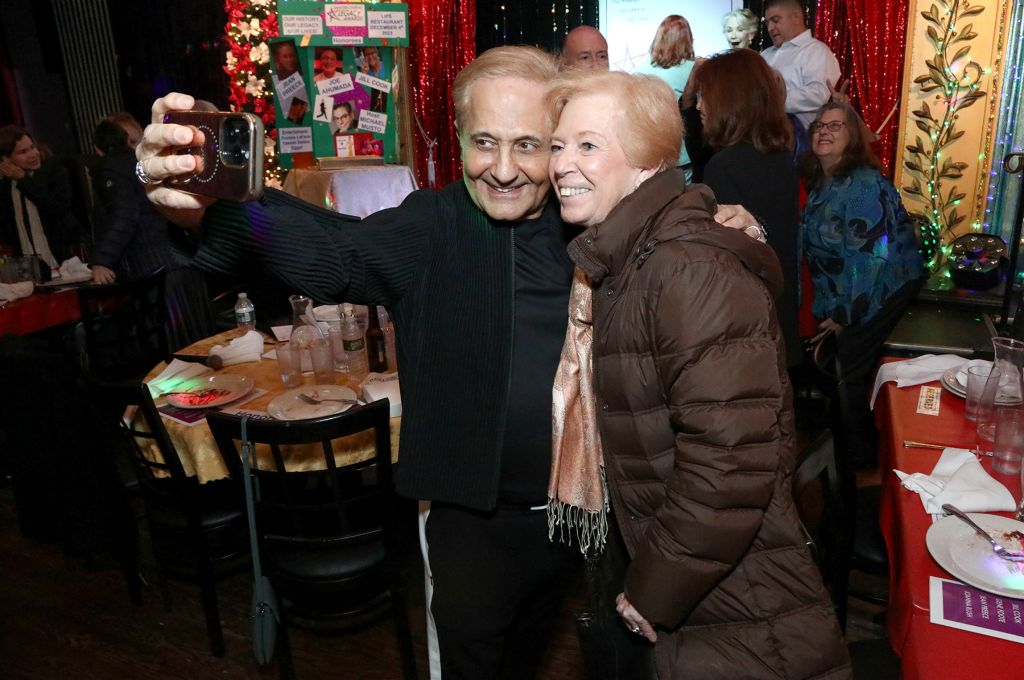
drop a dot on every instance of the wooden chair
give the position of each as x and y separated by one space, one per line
123 329
196 529
329 538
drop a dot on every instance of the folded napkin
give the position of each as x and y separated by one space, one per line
177 372
73 268
958 478
916 371
248 347
377 386
961 373
13 291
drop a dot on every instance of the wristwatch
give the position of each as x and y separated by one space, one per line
756 232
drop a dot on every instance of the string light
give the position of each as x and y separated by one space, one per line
250 24
1003 189
954 91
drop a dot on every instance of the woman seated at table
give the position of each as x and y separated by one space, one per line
35 201
863 251
695 420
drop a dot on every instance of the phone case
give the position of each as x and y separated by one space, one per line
231 168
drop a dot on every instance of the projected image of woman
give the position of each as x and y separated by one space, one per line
739 27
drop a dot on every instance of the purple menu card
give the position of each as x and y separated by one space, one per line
968 608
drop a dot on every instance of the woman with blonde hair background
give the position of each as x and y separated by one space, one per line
740 28
672 402
672 61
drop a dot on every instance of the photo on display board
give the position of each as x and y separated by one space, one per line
344 116
369 61
378 101
328 63
285 56
297 109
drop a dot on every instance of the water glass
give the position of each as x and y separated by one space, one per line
1009 444
323 361
976 378
289 362
337 341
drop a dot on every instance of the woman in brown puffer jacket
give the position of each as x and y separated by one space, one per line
692 402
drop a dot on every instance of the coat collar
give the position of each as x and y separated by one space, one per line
606 248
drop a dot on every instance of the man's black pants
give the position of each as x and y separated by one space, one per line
498 583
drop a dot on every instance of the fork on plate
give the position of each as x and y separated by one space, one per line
314 400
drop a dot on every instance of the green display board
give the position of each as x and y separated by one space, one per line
335 79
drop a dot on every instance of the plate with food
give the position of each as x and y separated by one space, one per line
311 401
209 391
969 557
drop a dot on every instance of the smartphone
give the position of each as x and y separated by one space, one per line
230 158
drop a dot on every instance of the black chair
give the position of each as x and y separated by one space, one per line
197 529
123 329
329 538
871 659
828 542
859 527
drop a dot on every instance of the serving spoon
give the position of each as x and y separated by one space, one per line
997 548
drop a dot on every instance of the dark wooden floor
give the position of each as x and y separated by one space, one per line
62 618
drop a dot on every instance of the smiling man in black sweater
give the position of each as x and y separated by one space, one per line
477 278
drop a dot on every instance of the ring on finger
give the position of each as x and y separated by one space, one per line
140 173
636 629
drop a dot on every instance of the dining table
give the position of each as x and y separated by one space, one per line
39 311
195 445
929 650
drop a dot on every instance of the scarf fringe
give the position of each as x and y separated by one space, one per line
589 527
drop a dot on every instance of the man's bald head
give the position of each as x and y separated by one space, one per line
584 48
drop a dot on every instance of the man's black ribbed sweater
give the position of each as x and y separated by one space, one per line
480 308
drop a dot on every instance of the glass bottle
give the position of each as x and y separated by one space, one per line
388 327
376 346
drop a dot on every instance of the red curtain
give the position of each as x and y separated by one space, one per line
443 40
868 39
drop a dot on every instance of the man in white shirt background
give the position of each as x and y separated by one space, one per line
806 64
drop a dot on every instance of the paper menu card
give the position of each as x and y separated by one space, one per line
958 605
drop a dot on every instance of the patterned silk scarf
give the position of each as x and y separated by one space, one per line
577 494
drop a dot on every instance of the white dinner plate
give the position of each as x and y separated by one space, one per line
952 383
208 391
968 556
289 406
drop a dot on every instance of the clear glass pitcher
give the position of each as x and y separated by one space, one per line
305 330
1004 389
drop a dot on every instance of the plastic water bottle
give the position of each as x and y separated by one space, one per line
353 342
245 313
389 338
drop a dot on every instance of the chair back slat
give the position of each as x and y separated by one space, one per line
123 328
331 504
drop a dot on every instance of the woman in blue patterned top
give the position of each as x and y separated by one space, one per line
863 251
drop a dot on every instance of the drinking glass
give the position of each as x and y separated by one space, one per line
977 376
289 362
323 361
1009 443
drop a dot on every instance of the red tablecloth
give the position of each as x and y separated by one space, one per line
39 311
928 651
